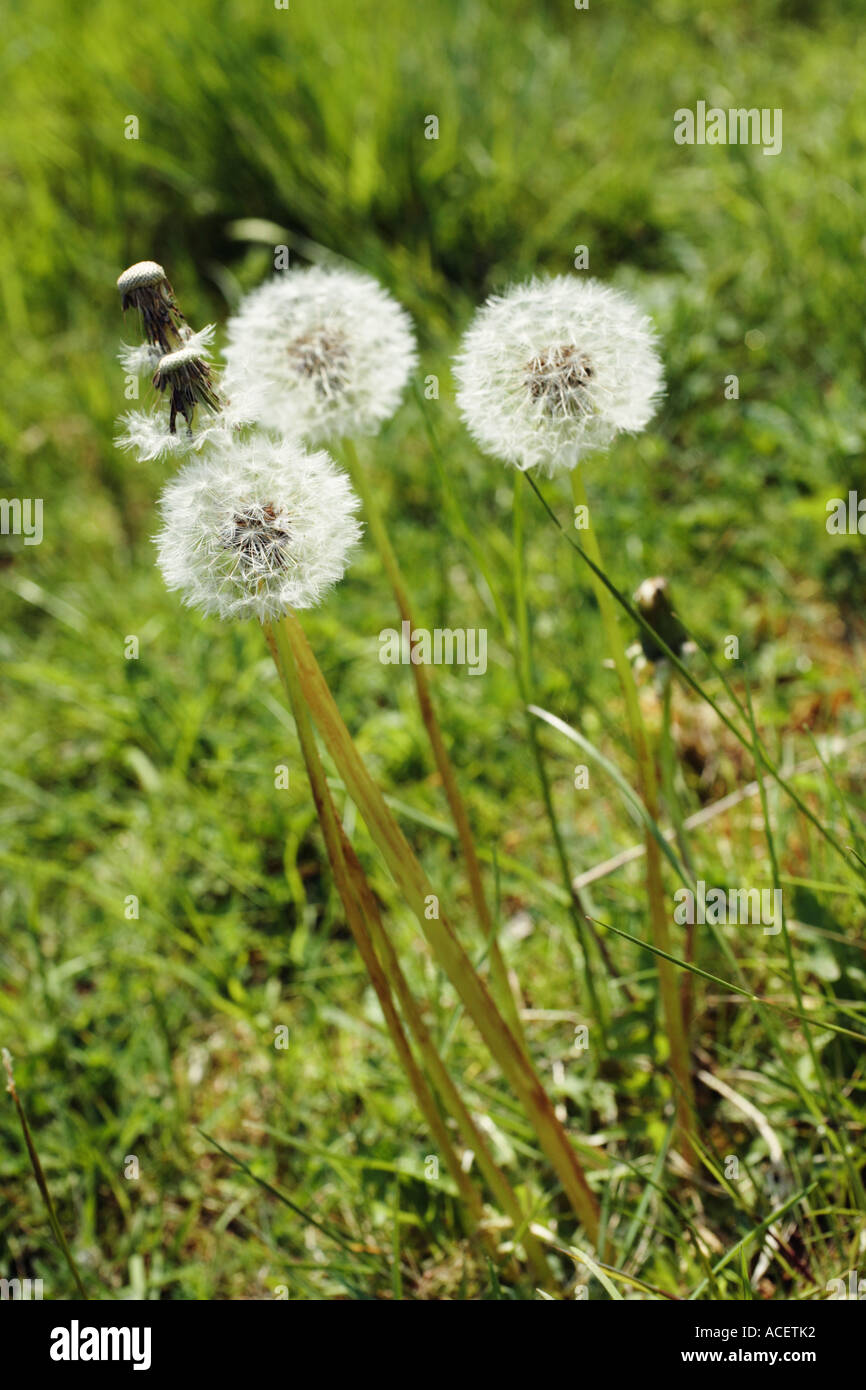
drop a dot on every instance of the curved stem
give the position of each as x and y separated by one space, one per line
285 665
379 531
418 891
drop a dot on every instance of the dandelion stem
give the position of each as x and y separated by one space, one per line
416 887
450 1096
378 955
667 761
523 666
503 987
355 916
40 1177
670 997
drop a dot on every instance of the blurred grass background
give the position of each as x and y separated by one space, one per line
155 777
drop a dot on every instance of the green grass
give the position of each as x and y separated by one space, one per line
154 777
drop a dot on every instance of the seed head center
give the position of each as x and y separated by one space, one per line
260 538
323 357
559 378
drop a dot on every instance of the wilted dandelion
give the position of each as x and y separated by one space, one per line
144 286
555 369
255 529
655 604
319 353
186 376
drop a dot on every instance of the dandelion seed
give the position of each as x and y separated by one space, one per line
186 375
319 353
555 369
253 529
144 286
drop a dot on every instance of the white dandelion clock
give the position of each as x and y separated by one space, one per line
555 369
319 353
251 530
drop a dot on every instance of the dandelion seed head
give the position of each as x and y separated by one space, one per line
252 529
319 353
555 369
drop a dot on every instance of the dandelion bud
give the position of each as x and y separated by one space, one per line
253 529
186 375
554 369
144 286
319 353
653 599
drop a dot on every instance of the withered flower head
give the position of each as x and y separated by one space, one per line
144 286
186 374
653 599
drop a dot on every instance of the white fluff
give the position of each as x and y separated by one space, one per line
146 434
253 529
554 369
143 358
319 353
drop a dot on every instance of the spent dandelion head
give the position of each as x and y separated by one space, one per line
554 369
144 286
319 353
253 529
655 604
185 374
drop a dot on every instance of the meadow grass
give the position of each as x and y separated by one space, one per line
152 1038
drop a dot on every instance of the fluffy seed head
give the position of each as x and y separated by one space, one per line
253 529
554 369
319 353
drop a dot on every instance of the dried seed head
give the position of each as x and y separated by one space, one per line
137 276
144 286
186 374
653 599
558 377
